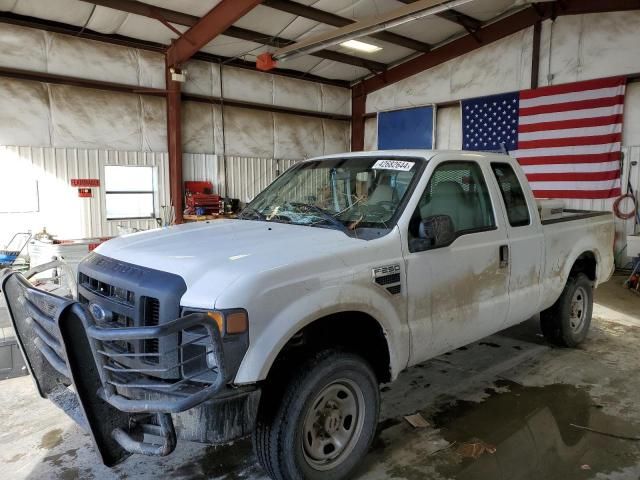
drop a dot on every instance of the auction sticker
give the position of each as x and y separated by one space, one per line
393 165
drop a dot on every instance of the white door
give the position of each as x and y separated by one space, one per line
526 244
457 290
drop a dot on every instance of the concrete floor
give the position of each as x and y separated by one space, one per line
509 392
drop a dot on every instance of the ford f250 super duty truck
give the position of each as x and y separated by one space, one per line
282 323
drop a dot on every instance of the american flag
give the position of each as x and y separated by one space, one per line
566 137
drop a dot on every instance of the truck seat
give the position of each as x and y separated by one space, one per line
448 198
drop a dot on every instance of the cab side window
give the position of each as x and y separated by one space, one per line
456 202
512 194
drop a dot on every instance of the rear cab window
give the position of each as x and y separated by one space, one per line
515 201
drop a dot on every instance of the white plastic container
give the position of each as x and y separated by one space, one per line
633 245
71 251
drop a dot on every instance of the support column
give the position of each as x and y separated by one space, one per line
174 140
535 54
358 107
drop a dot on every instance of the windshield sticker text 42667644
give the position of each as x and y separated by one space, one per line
401 165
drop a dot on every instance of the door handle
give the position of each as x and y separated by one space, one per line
504 256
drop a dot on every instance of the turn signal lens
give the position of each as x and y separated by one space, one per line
237 322
218 318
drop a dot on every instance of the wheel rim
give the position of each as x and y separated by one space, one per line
578 311
333 424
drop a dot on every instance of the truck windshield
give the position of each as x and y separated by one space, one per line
345 194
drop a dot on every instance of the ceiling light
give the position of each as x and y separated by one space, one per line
361 46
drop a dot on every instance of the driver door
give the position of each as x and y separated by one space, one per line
457 291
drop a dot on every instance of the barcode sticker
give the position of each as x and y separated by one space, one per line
393 165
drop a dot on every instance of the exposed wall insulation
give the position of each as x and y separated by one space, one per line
201 128
256 133
60 116
583 47
502 66
60 209
203 78
576 47
41 51
42 115
371 134
448 128
631 123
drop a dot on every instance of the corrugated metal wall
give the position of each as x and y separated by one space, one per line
245 176
203 167
61 211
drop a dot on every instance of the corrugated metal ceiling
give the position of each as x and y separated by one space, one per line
269 22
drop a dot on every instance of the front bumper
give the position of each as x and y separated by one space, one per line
119 395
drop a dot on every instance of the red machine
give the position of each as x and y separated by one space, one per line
200 199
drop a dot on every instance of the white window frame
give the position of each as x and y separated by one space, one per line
153 192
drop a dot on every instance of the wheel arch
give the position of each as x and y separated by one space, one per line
587 263
353 331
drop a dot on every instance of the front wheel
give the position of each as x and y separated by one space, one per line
321 424
567 322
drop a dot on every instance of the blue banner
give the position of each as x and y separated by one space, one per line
408 128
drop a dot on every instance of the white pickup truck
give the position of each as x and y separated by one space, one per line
283 323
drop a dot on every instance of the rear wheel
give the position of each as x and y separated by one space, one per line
320 424
567 322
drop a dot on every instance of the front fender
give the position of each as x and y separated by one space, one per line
315 305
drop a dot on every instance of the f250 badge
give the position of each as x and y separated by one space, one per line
389 278
386 270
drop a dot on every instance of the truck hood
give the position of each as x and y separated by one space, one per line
224 250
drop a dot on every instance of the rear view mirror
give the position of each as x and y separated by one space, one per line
438 230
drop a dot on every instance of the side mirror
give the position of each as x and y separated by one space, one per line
438 230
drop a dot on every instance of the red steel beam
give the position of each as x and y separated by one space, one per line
358 110
221 17
492 32
579 7
486 35
535 55
174 143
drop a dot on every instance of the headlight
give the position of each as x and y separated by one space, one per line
229 322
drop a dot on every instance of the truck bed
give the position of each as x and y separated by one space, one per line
575 233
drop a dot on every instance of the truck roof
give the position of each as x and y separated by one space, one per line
426 154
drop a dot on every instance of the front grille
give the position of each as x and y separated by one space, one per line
122 321
135 297
117 294
151 311
151 318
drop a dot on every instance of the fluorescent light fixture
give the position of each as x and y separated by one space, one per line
361 46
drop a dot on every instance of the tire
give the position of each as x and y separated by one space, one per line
567 322
340 391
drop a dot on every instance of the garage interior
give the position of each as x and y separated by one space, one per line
119 116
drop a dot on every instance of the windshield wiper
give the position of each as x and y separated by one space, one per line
248 211
322 213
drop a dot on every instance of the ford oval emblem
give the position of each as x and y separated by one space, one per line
98 312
